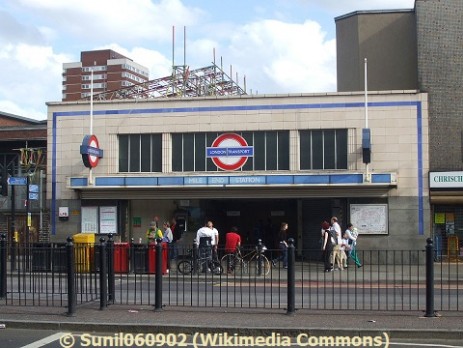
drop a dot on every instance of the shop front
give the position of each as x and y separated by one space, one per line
446 196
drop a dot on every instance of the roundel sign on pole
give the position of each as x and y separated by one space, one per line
229 151
90 151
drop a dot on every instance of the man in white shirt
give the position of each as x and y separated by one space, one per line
206 241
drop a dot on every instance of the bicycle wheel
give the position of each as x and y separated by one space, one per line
233 264
185 267
217 267
259 268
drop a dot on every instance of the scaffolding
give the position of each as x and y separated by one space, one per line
207 81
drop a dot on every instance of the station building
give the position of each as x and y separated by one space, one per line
246 161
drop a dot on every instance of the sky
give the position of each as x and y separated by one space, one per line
281 46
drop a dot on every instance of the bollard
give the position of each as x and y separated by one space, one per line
71 273
158 276
260 247
3 268
111 275
291 277
103 275
429 279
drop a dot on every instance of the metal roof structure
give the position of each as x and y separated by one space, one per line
207 81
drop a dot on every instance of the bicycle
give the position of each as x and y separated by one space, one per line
254 263
189 265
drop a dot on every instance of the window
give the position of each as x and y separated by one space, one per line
95 85
271 151
140 153
323 149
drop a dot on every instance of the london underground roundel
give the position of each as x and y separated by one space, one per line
90 151
229 151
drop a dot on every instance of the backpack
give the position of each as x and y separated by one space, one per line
333 235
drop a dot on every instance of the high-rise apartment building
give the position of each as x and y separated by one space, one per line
111 71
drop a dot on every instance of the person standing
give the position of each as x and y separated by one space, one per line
205 239
215 239
282 245
352 235
167 236
153 232
177 236
327 246
336 235
232 245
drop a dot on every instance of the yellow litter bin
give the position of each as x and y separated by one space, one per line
83 246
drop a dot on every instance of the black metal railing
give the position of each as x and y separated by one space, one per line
71 274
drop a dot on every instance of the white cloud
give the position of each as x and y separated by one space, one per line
284 57
30 82
156 62
125 20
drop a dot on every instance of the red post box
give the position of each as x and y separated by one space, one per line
152 258
121 257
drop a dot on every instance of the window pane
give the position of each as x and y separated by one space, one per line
248 136
271 152
329 150
134 155
156 151
341 149
283 150
259 151
123 153
200 152
145 152
305 149
177 157
317 149
188 152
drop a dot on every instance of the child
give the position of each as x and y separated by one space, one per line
344 247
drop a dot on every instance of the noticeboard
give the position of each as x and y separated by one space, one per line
89 220
108 220
369 218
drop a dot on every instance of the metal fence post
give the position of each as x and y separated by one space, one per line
103 275
131 257
259 256
3 268
111 271
429 279
195 257
291 277
158 276
71 273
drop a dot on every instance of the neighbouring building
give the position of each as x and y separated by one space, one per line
422 49
111 71
23 149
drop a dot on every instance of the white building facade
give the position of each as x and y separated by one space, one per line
249 161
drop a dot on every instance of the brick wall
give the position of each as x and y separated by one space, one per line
440 66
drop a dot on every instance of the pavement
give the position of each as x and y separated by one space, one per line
190 320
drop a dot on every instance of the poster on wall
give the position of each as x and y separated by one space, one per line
369 218
108 220
89 220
